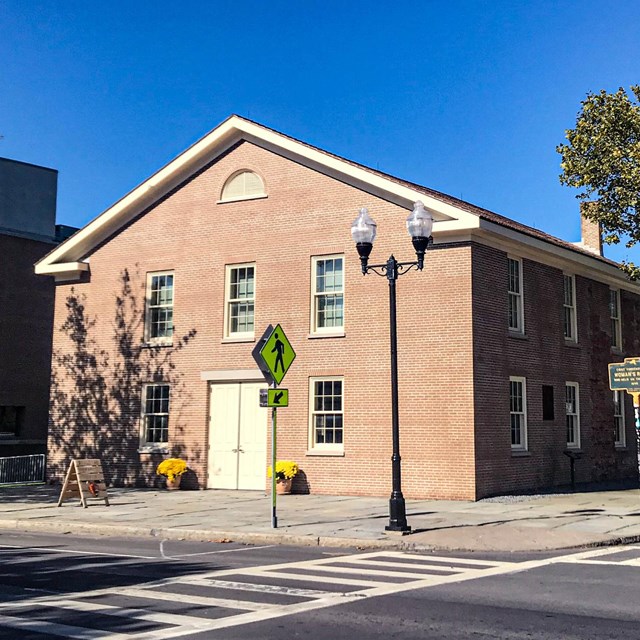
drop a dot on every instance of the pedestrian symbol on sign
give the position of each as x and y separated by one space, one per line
279 349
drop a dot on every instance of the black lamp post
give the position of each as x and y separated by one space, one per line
363 231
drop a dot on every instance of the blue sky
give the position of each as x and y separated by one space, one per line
470 98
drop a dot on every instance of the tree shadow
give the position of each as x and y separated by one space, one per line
96 389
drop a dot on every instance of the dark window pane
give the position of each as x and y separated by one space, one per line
548 411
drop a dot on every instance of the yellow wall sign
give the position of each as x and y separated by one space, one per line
278 354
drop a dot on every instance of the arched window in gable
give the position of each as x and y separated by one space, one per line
243 185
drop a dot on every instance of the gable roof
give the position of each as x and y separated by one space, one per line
451 215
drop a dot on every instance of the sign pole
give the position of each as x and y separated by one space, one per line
636 412
273 355
274 517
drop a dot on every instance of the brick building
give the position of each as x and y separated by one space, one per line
503 339
27 233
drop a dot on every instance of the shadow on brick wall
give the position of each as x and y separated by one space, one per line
96 388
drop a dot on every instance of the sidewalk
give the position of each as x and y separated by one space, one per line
526 523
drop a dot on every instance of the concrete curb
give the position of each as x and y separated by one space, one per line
197 534
399 544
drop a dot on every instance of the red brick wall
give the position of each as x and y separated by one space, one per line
26 315
306 214
453 367
544 358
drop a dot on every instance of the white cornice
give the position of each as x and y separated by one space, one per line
525 246
450 221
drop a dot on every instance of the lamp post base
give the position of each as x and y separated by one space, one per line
397 516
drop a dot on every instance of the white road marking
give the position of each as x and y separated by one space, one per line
62 630
259 588
207 553
378 564
205 601
79 553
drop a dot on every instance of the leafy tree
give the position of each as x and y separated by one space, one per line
603 159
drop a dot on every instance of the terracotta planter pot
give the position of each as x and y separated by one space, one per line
174 484
284 486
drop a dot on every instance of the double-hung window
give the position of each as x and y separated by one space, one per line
240 301
570 328
618 419
516 308
326 415
614 312
155 414
518 413
573 414
327 294
159 311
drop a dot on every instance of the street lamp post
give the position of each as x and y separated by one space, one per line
363 231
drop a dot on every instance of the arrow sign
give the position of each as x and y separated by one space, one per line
277 397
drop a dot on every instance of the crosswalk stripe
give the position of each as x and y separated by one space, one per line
369 572
245 605
57 629
265 588
430 558
285 575
403 565
175 619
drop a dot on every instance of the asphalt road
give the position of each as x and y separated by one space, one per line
144 589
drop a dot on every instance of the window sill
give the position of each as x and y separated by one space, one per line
518 335
234 340
515 453
337 334
616 350
152 345
243 198
328 453
621 447
153 449
572 344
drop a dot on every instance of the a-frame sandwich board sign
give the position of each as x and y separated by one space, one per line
84 480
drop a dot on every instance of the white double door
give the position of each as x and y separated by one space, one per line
237 436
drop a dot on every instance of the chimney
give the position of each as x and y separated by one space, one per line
591 232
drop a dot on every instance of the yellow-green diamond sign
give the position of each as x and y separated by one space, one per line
278 354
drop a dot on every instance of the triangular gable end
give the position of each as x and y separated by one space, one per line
66 260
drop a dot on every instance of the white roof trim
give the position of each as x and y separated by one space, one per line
61 267
207 149
516 242
449 220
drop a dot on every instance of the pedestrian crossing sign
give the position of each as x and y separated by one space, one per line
278 354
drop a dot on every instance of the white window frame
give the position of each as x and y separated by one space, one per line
619 423
317 296
151 444
614 314
324 447
225 197
523 445
569 320
228 302
572 412
517 295
158 340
